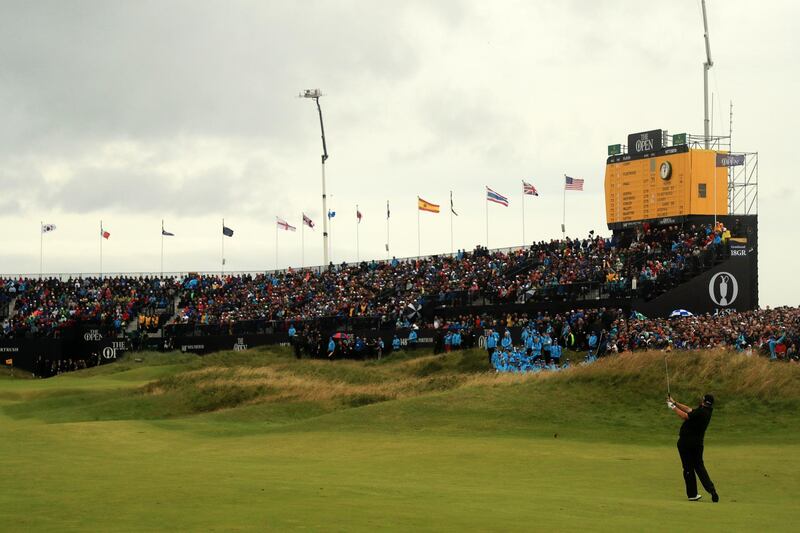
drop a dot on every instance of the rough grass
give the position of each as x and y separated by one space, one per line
452 393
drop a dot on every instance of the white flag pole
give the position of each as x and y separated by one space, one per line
451 222
487 216
564 212
388 215
41 246
276 246
358 223
101 249
419 248
223 248
303 242
162 247
524 242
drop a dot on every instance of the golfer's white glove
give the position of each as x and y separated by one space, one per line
670 404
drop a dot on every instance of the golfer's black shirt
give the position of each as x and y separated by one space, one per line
694 429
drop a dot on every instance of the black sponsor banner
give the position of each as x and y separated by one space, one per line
94 344
728 286
645 142
29 354
738 250
730 160
214 343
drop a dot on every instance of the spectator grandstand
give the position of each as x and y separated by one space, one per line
469 291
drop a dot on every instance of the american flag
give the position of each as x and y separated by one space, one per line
573 184
527 188
285 225
308 222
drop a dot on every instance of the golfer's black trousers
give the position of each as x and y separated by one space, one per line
692 461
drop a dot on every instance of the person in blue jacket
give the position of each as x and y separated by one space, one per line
772 343
506 342
412 339
491 342
395 343
536 346
292 332
331 347
555 353
456 340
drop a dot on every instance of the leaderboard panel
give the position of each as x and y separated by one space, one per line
648 188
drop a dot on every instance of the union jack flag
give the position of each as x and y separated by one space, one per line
308 222
527 188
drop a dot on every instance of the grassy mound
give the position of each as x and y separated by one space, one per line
613 399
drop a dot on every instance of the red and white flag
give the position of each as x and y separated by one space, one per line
573 184
308 222
285 225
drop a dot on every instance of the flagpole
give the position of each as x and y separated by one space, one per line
564 212
276 246
303 242
358 223
523 214
101 249
419 248
451 222
388 215
487 220
330 239
162 247
41 246
222 272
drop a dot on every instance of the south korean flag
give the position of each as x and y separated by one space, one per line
47 228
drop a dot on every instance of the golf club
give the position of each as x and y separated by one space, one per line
666 371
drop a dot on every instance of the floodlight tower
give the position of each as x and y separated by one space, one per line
315 94
706 67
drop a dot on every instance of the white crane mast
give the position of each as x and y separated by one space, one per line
706 67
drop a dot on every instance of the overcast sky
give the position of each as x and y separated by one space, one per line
131 112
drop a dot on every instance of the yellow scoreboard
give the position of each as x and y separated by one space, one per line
667 183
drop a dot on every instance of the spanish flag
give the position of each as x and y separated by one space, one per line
9 362
426 206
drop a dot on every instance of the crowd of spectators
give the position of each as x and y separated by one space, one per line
774 333
390 292
46 307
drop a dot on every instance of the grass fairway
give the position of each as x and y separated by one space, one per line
259 441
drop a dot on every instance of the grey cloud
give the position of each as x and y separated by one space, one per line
93 70
214 191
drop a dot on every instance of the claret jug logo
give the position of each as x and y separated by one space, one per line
723 289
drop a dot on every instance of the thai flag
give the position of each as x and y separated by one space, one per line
495 197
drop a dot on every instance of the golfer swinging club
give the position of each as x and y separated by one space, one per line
690 445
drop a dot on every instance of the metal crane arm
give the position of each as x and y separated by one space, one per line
709 61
